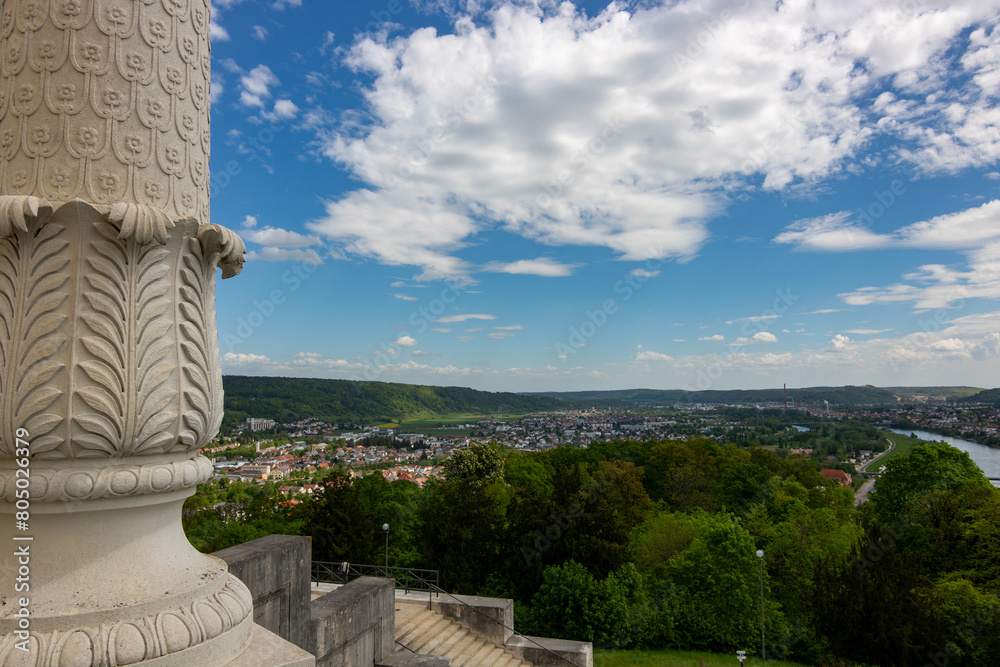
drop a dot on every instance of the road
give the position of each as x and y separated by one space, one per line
862 494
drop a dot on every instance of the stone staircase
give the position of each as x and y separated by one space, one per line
430 632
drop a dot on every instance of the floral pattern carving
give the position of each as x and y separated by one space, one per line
123 71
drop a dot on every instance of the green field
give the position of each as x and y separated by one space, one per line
904 444
668 658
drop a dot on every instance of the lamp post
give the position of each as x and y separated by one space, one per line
763 646
385 529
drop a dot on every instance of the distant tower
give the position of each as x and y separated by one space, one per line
785 389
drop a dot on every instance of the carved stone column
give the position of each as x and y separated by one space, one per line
109 362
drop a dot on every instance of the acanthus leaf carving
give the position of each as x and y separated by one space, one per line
145 223
16 211
32 328
201 406
132 363
227 244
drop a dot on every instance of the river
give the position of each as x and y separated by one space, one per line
987 458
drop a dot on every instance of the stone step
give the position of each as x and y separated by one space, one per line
427 631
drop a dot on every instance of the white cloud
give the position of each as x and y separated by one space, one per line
628 134
866 332
513 327
754 318
838 342
643 273
256 86
260 33
216 32
714 337
236 359
759 337
451 319
500 335
281 5
249 222
282 238
270 254
649 355
285 109
405 297
406 341
833 232
543 266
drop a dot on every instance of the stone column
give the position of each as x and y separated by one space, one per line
109 361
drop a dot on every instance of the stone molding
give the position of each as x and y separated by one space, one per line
51 485
134 640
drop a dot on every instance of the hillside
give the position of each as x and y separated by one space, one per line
933 394
809 396
290 399
985 396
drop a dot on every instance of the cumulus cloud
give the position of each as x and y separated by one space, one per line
759 337
624 140
216 32
714 337
283 238
236 359
285 109
406 341
643 273
269 254
543 266
255 86
649 355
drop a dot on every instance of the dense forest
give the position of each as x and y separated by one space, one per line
652 544
337 401
991 396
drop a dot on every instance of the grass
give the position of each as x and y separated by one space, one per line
671 658
903 445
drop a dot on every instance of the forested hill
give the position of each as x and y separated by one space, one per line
291 399
985 396
809 396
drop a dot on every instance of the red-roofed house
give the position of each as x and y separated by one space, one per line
838 476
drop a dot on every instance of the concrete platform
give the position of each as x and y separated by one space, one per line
269 650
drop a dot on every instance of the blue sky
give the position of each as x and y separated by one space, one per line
534 196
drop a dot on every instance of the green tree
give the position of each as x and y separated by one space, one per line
929 467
